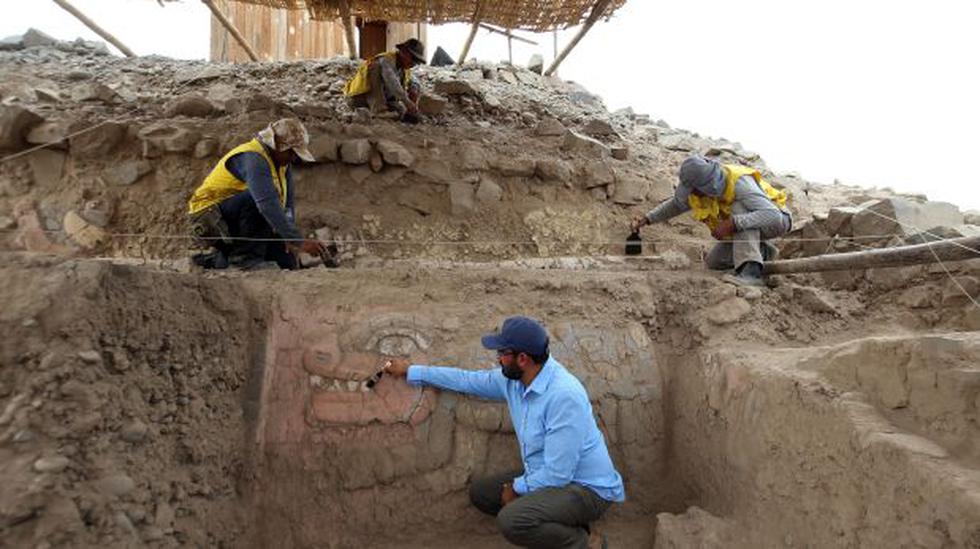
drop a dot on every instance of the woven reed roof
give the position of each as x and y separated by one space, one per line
533 15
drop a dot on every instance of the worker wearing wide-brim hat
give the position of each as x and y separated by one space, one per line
385 83
741 208
244 209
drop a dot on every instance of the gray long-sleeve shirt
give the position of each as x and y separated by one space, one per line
253 169
761 213
393 78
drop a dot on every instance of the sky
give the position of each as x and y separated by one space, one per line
870 92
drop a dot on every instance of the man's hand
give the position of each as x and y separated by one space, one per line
508 494
724 229
312 247
397 367
638 223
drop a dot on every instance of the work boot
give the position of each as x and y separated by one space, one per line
749 274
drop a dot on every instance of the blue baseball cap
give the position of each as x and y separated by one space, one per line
520 334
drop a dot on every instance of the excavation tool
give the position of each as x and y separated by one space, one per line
634 244
330 256
376 377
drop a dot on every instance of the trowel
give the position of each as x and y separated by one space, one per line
634 244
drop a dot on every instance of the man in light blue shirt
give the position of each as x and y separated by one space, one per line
568 480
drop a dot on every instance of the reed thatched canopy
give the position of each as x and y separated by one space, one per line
532 15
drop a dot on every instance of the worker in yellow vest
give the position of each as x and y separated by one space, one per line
385 83
244 209
741 208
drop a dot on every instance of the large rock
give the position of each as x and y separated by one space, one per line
95 139
395 154
434 171
549 126
553 170
630 189
34 38
356 151
163 137
597 126
839 220
325 148
536 63
432 104
82 232
454 87
488 191
597 174
897 216
47 166
679 142
471 75
583 145
15 124
461 198
221 94
192 104
472 156
126 173
94 91
53 134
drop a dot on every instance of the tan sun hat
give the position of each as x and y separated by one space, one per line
287 133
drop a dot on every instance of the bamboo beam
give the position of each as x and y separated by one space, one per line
95 28
230 27
507 33
469 39
469 42
597 10
954 249
345 19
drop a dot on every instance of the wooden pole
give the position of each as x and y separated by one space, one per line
469 42
507 33
227 24
955 249
95 28
345 19
597 10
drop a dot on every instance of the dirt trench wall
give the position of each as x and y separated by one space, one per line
341 464
792 457
122 390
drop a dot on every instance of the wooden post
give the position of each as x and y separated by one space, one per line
469 42
510 51
227 24
954 249
597 10
345 19
95 28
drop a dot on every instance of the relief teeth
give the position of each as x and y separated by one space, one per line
364 387
353 386
316 381
335 386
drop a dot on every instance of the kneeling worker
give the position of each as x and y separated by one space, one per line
738 205
384 82
244 208
568 480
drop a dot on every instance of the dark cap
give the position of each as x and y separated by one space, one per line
520 334
415 48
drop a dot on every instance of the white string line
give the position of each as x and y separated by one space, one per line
953 278
155 236
115 118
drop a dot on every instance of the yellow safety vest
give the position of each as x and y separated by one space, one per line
221 183
361 84
711 210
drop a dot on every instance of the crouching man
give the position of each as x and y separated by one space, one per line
244 209
568 480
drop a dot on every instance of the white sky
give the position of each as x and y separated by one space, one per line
871 92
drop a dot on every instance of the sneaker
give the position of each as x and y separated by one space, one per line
750 274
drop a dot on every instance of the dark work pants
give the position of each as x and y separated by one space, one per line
546 518
246 221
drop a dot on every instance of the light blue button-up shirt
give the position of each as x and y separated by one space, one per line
560 441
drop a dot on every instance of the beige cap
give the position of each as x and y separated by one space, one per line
287 133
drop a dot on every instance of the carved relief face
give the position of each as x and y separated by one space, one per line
339 361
